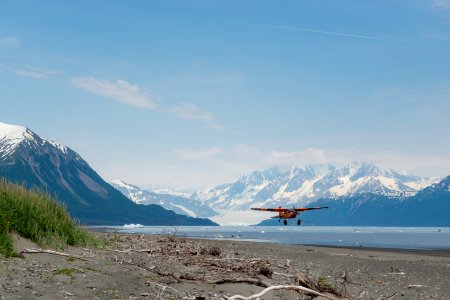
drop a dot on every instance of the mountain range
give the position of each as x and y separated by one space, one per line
300 186
178 204
428 207
28 159
357 194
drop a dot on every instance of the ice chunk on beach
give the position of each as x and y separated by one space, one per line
128 226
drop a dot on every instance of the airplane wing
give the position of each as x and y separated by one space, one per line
310 208
270 209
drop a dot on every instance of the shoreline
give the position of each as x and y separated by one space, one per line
437 251
444 252
136 266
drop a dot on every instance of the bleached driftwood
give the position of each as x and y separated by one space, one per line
120 251
236 258
163 289
279 287
283 274
140 266
34 250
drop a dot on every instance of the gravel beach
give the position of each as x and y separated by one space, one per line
172 267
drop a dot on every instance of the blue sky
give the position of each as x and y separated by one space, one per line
197 93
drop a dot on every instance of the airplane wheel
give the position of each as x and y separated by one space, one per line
285 222
299 222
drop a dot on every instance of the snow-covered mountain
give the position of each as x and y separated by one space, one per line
28 159
180 205
299 186
169 190
428 207
12 137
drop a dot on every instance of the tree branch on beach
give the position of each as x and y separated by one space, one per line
280 287
34 251
207 263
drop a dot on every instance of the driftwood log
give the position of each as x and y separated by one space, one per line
35 250
280 287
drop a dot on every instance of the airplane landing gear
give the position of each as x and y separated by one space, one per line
299 222
285 222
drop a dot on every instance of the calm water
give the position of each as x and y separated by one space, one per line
382 237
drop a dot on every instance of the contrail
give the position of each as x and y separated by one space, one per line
324 32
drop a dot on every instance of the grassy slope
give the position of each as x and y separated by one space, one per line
35 216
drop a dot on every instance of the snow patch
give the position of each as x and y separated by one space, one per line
129 226
120 183
390 183
12 136
421 184
280 192
12 131
343 188
305 191
186 210
59 146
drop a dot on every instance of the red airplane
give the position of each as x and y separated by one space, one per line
288 213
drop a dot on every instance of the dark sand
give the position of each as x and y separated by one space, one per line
168 267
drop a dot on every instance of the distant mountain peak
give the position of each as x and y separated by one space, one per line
12 130
300 185
12 136
121 183
28 159
178 204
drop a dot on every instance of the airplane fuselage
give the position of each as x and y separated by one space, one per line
288 214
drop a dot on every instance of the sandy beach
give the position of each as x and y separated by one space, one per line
172 267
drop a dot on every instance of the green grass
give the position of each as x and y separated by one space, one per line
65 271
36 216
324 286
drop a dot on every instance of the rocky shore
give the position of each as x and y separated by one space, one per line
173 267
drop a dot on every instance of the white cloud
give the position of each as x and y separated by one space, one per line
445 4
422 165
245 151
211 166
34 72
119 90
308 156
198 154
241 159
189 111
9 42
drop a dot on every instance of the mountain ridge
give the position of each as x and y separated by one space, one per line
301 185
429 207
26 158
178 204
